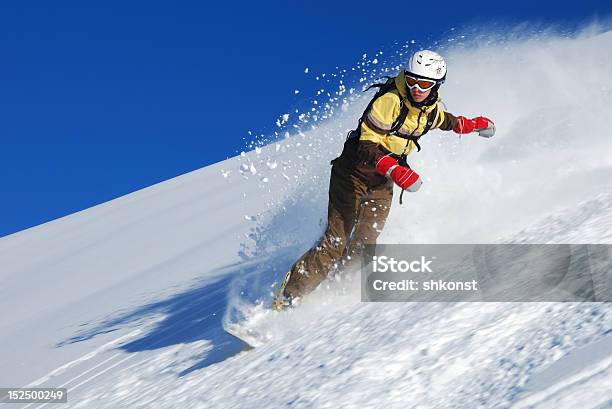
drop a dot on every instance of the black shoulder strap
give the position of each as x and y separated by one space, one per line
400 118
430 120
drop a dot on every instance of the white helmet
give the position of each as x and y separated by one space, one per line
428 64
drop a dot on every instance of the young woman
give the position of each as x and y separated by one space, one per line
373 158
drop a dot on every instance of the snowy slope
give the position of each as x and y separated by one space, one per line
124 303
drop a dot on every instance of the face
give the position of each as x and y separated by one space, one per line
418 95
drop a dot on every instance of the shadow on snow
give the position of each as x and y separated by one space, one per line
196 314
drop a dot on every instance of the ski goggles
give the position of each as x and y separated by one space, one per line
420 83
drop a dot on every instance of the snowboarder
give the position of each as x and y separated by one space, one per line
373 158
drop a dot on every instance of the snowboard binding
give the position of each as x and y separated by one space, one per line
280 304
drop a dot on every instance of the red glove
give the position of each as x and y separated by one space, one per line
484 126
404 177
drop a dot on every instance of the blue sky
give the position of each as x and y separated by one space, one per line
101 98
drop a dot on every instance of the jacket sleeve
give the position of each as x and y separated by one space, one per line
378 120
446 121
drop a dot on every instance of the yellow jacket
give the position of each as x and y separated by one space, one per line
386 109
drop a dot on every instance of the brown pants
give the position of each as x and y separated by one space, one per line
356 215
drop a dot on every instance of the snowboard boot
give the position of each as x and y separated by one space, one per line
280 301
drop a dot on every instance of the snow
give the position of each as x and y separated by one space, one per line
125 303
